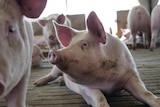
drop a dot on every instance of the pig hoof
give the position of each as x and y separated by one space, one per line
39 82
61 81
151 49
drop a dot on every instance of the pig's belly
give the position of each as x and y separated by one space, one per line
105 85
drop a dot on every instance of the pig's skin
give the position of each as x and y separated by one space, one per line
37 56
16 43
91 62
155 26
148 4
53 75
139 20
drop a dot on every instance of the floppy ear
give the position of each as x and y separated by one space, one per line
95 26
32 8
61 19
64 34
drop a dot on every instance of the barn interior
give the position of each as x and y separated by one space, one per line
113 15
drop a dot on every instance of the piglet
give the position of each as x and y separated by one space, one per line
48 29
16 44
37 56
155 26
50 37
139 20
94 61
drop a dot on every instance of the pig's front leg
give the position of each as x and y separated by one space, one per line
93 97
54 74
136 87
17 97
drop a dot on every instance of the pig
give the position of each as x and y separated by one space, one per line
37 56
127 37
49 34
94 62
48 30
40 41
139 20
155 26
16 44
148 4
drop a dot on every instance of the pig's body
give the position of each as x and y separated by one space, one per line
48 29
139 20
155 26
148 4
93 61
16 43
108 73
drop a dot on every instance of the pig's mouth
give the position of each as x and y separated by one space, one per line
64 64
60 61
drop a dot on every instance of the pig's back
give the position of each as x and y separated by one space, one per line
118 50
155 17
138 18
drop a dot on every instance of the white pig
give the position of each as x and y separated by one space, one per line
94 61
139 20
49 34
155 26
16 44
37 56
48 29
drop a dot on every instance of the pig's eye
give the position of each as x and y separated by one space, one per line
11 29
84 44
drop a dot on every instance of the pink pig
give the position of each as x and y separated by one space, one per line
139 21
16 44
155 26
91 62
48 29
37 56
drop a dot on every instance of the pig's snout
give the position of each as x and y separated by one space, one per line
52 56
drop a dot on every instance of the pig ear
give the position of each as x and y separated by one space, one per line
32 8
95 26
42 22
60 19
63 33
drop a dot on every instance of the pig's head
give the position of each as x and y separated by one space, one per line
48 29
13 38
83 53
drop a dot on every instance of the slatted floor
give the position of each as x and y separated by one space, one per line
53 95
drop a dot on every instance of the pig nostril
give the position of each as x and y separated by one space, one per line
51 37
54 55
